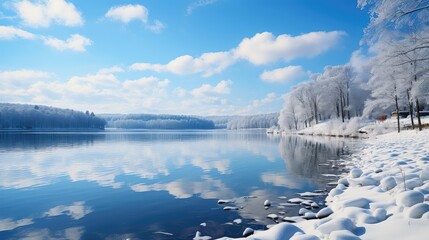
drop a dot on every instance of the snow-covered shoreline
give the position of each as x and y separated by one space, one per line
385 196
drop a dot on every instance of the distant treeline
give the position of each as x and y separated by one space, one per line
24 116
243 122
152 121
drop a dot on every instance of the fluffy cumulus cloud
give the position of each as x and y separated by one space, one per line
128 13
221 88
136 12
10 33
45 12
75 42
23 74
282 75
263 48
207 64
103 90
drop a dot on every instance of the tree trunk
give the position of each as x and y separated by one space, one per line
315 112
342 106
397 113
418 114
348 101
410 106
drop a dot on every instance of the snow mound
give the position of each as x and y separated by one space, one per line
388 183
280 231
424 175
343 235
358 202
336 224
324 212
409 198
418 210
301 236
355 173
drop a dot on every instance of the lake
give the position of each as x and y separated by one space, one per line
156 184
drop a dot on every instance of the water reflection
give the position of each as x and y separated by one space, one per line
115 184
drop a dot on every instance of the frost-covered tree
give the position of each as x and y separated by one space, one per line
403 24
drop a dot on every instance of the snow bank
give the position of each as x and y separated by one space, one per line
356 127
387 198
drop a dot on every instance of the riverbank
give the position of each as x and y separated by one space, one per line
385 196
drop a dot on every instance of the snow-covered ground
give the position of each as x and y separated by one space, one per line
352 128
384 196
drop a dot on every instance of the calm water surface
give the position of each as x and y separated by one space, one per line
142 185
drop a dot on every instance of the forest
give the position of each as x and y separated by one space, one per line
24 116
153 121
391 77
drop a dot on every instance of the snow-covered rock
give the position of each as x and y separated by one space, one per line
280 231
237 221
388 183
413 183
267 203
230 208
303 211
336 224
418 210
380 214
273 216
409 198
343 181
335 192
198 236
224 201
355 173
247 232
309 215
424 175
324 212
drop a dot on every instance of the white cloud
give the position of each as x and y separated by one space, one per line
180 92
75 42
114 69
45 12
136 12
128 13
258 106
76 211
198 4
264 48
9 33
269 98
157 26
221 88
207 64
23 74
9 224
281 75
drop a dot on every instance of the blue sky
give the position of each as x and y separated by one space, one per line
204 57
